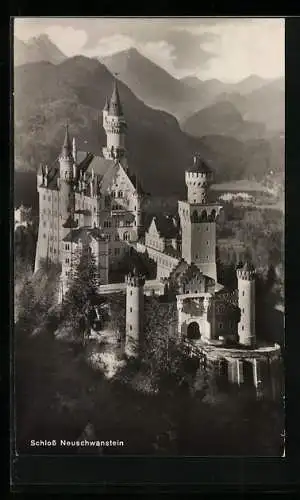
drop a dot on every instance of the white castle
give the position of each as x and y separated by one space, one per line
96 200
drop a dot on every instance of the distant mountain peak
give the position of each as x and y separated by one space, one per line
38 48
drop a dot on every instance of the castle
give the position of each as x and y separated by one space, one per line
96 200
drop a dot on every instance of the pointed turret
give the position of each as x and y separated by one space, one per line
106 107
115 127
67 145
115 107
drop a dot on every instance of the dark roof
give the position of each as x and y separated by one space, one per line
184 273
115 107
199 166
70 223
106 105
166 226
83 232
169 250
67 145
248 266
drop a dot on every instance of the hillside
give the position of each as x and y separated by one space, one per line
222 118
46 95
148 81
36 49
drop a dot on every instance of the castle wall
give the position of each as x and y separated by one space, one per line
48 242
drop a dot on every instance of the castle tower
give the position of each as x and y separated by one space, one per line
198 219
134 313
66 162
115 126
137 210
246 291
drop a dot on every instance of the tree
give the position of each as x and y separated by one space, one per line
81 296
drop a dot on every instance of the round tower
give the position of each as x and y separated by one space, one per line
198 179
115 126
66 172
246 293
134 313
66 159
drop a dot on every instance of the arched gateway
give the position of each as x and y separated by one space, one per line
193 331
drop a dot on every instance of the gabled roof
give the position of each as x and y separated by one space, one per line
84 232
166 226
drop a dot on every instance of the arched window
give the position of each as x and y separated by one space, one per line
126 236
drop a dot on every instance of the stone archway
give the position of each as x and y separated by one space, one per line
193 331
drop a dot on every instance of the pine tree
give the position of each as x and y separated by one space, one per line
82 293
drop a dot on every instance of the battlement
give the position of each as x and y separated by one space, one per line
247 272
135 280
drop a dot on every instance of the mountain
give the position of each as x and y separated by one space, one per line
151 83
47 95
36 49
249 84
222 118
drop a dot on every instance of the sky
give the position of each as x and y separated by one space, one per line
229 49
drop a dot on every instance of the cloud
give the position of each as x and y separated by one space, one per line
225 48
160 52
110 45
254 48
69 40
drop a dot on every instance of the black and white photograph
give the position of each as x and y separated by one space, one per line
149 205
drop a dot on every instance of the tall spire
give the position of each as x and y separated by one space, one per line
106 105
115 107
67 146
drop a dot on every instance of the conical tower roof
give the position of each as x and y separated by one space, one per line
67 145
199 166
115 107
106 105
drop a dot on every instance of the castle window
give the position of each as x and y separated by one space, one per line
67 261
243 327
54 251
105 224
221 325
120 194
130 309
117 251
67 247
44 236
130 292
117 237
130 327
243 310
50 249
44 210
243 293
125 236
44 224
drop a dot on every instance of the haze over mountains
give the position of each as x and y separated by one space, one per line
255 98
49 93
36 49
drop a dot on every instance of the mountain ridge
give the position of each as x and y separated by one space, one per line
46 95
39 48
